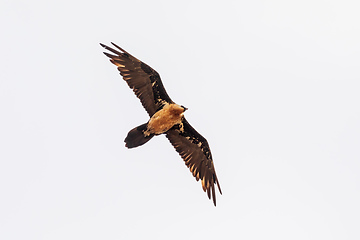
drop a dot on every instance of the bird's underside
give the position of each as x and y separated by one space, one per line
166 117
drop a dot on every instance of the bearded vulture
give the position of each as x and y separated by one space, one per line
166 117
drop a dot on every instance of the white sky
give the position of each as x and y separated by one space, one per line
273 85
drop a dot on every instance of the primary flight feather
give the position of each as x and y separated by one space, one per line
166 117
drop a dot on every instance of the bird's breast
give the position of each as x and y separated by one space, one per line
162 121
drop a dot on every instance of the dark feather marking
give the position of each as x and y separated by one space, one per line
157 86
195 137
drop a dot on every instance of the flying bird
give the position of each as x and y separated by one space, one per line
166 117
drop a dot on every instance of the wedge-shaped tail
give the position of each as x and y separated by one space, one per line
136 136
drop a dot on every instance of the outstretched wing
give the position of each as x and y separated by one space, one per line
195 151
141 78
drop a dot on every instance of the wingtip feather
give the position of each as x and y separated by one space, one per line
213 195
119 48
218 184
111 49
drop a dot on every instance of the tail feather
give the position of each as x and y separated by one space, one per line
136 137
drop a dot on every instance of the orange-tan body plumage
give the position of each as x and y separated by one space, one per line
164 119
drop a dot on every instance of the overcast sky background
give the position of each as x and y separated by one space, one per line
274 86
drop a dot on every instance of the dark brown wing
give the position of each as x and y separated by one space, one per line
195 151
141 78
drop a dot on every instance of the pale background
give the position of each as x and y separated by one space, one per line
272 85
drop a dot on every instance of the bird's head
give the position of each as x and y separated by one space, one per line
185 108
177 109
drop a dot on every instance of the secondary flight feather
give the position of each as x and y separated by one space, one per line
166 117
